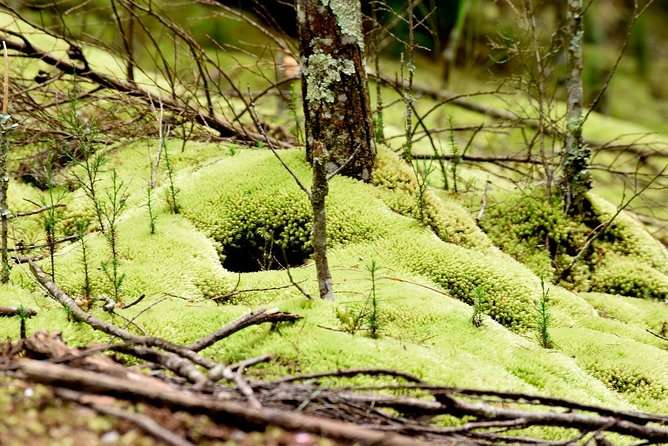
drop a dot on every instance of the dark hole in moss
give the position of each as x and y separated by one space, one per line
259 254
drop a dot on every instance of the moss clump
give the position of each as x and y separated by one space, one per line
139 251
534 230
630 236
453 223
624 259
628 277
391 172
632 311
263 226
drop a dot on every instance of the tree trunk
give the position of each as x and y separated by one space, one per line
319 192
577 178
335 91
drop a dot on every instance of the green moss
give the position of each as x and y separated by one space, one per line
453 223
424 321
618 363
185 256
624 259
631 382
510 289
534 230
632 311
631 237
391 172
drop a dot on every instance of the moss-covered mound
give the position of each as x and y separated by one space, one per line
623 259
257 213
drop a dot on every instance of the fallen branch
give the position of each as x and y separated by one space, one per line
22 248
349 373
656 334
255 318
478 159
537 400
35 211
224 129
488 415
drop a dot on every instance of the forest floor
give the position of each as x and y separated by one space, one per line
211 242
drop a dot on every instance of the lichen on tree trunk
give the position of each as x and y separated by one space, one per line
335 90
577 178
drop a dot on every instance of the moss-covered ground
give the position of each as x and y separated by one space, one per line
426 282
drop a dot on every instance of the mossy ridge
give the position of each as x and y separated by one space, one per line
130 160
256 195
630 370
644 313
510 289
171 261
422 332
532 229
446 348
628 277
633 239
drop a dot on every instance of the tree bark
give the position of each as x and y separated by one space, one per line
577 178
335 90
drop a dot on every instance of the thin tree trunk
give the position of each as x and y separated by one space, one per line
4 209
409 100
127 40
319 191
339 130
4 175
379 124
336 96
577 179
449 55
131 47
